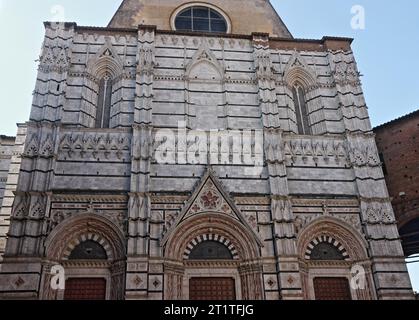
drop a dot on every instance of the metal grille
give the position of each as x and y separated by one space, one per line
332 289
222 289
85 289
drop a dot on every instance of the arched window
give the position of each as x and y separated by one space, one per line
301 111
202 19
88 250
326 251
104 102
210 250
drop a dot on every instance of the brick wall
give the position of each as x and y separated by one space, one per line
398 144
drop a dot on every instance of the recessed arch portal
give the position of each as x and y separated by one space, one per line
241 245
329 251
90 248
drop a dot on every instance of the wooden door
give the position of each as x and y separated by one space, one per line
223 289
85 289
332 289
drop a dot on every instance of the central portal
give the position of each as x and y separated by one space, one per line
223 289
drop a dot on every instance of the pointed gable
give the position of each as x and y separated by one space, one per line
210 198
298 70
105 61
204 65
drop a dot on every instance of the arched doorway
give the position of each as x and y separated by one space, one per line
80 284
91 251
221 287
211 251
331 256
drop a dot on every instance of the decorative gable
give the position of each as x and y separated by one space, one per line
297 70
105 62
205 65
210 198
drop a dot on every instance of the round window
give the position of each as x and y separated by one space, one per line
201 19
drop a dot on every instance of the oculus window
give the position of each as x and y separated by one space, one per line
200 19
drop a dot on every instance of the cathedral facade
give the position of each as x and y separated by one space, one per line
197 150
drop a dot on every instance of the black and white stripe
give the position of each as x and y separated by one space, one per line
210 237
87 237
326 239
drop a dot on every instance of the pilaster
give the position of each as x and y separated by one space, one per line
139 214
283 231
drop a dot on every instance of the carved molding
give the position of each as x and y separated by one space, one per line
347 235
92 145
321 151
55 59
89 198
119 218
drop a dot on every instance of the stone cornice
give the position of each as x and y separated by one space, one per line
206 264
86 264
324 44
88 198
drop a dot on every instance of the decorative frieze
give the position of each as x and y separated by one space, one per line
118 217
93 145
317 150
303 220
55 59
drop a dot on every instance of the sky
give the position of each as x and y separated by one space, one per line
386 49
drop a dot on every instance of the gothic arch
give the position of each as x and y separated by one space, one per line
206 96
339 231
222 226
102 79
299 76
105 63
348 242
67 235
205 58
85 226
204 70
245 266
297 72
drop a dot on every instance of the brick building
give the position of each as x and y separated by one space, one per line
398 145
121 184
